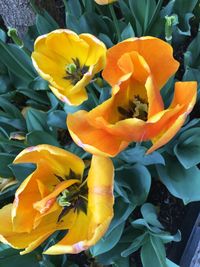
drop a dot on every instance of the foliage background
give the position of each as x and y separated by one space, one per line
30 115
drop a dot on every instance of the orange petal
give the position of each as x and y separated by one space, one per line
157 53
91 139
171 122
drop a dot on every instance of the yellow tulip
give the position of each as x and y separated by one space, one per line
57 196
104 2
68 62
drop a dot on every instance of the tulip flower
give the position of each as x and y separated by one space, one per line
59 196
104 2
68 62
136 69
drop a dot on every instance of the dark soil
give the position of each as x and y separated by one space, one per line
171 209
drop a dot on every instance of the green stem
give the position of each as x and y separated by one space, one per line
115 21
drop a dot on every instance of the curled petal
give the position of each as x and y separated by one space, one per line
90 227
157 54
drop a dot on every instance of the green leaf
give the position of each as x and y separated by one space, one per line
41 137
45 23
5 160
39 97
74 8
192 55
149 214
57 119
135 183
106 40
36 120
128 32
138 241
187 149
108 241
121 212
137 155
13 257
10 109
182 183
153 251
3 36
17 61
5 83
22 170
171 264
39 84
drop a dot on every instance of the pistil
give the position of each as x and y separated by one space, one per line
75 71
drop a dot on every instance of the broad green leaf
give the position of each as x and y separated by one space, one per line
128 32
40 97
36 120
10 109
5 160
108 241
45 23
41 137
182 183
17 61
105 39
2 36
74 8
171 264
192 55
39 84
13 257
187 149
113 255
136 182
5 83
137 155
137 242
122 262
22 170
121 212
57 119
153 252
149 214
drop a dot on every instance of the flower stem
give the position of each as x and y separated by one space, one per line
115 21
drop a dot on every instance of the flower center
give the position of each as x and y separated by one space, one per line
74 197
137 108
74 71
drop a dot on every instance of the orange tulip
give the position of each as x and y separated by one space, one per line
68 62
136 69
104 2
56 196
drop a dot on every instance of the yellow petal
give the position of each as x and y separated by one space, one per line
57 159
88 229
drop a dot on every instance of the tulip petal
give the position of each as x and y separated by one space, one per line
96 55
182 104
91 139
31 240
88 229
60 160
157 53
